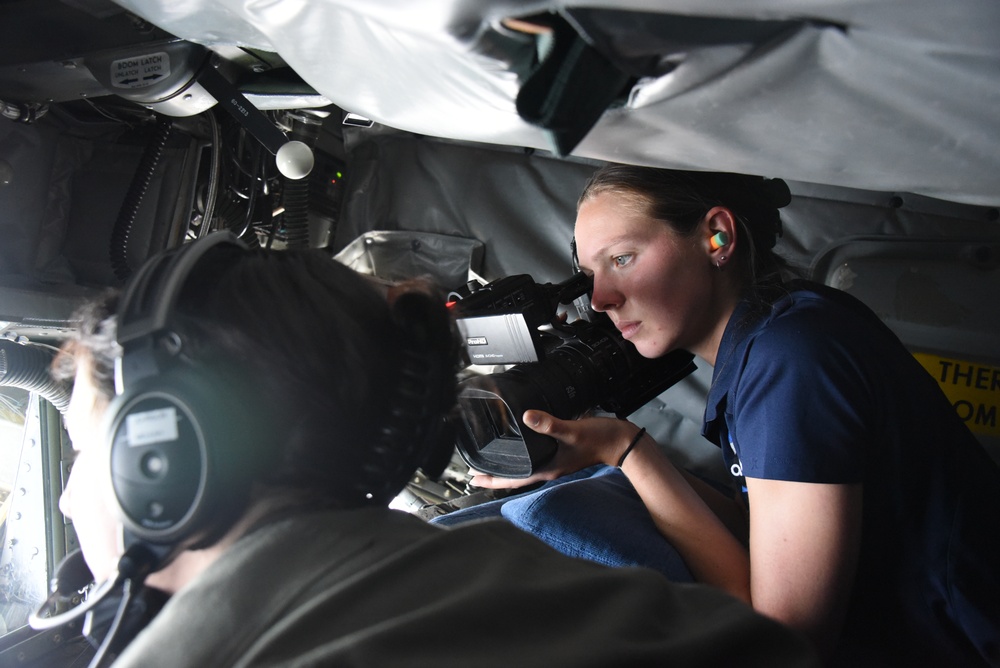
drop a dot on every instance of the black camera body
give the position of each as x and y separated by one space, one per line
501 321
564 368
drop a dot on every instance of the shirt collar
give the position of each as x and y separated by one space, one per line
741 326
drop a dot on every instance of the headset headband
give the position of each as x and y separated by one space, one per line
148 302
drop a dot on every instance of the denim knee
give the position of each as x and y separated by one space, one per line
599 518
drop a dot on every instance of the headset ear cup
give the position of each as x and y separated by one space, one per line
168 443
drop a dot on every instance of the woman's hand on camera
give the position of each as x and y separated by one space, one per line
582 443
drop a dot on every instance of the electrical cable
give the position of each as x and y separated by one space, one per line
258 174
129 591
213 176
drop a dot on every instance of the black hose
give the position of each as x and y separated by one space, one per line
133 199
27 367
295 192
295 198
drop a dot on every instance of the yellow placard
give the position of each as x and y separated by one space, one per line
973 388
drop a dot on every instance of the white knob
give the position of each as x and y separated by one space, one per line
295 160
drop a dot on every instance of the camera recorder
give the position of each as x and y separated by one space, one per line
562 366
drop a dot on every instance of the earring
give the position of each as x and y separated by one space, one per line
718 240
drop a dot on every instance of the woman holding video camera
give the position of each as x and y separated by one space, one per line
867 507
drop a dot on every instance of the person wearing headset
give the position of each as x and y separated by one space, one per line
867 507
241 420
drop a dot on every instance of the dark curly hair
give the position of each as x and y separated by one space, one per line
346 392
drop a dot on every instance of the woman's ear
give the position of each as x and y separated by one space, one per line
720 235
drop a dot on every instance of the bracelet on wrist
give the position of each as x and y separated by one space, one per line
635 441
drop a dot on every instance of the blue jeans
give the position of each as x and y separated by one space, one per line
593 514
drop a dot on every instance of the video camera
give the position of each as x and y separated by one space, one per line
563 367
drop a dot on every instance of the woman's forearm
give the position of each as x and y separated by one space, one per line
712 552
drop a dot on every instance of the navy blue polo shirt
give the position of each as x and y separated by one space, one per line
819 390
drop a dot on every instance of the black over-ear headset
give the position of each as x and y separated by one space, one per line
168 427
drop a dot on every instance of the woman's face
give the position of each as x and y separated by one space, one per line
656 286
86 499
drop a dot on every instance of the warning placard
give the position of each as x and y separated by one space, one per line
140 71
974 389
